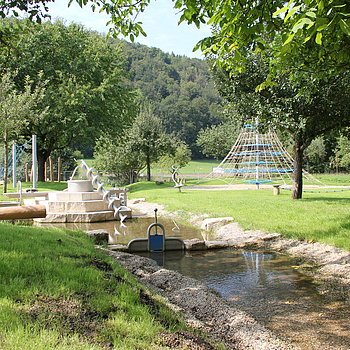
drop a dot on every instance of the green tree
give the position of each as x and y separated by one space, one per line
179 156
17 109
141 144
315 156
147 136
87 90
115 155
217 140
341 158
306 104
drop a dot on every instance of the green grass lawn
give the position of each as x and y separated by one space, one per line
323 217
334 179
58 292
41 186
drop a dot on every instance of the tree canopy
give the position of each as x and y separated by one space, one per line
237 24
143 143
87 92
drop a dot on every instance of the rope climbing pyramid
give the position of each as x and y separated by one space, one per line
256 158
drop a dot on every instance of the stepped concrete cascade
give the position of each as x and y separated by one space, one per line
81 203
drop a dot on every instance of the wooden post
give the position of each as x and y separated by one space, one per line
26 174
276 190
59 165
24 212
51 169
45 171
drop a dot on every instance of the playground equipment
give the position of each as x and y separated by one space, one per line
175 177
156 240
256 158
82 203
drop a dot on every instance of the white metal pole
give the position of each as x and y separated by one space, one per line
34 160
14 165
257 159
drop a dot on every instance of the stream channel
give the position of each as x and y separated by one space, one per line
268 286
271 288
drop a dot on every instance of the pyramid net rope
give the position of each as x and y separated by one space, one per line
256 158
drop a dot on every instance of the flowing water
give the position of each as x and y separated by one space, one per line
272 289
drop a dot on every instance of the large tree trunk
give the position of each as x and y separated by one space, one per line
148 160
42 157
297 189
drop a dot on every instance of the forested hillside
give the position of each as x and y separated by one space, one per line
180 88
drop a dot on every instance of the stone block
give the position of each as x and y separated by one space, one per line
194 244
54 218
98 236
211 224
80 186
86 206
58 196
87 217
216 244
73 196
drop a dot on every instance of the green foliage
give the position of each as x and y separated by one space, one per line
17 110
236 25
216 141
341 158
315 156
140 145
179 158
87 92
115 156
180 89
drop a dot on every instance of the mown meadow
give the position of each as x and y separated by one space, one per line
58 291
322 215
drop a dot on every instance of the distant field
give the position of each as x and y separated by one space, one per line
334 179
201 168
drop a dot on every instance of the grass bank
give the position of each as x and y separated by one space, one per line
322 217
58 292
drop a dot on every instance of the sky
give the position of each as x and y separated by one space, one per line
159 22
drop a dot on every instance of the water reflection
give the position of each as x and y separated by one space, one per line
234 274
122 233
267 286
